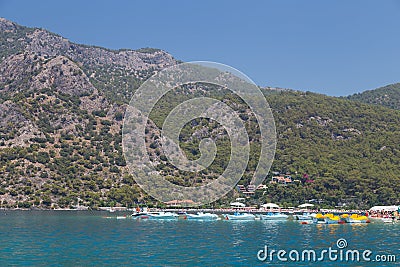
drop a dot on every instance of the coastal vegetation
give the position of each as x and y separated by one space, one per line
62 107
388 96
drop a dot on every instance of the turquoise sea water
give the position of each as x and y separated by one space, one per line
69 238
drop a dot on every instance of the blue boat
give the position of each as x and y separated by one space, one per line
202 216
240 217
274 216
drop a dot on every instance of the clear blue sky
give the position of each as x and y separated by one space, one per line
332 47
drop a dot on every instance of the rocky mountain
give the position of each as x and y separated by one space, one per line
388 96
62 106
119 72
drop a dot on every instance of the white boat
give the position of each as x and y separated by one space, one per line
240 217
202 216
163 215
305 216
274 216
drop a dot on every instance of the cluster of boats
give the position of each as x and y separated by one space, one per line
336 219
237 216
174 216
248 216
305 218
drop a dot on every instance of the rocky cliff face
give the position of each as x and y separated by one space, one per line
44 42
106 69
28 71
61 110
7 26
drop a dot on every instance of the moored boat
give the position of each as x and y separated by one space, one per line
274 216
240 217
354 218
305 216
202 216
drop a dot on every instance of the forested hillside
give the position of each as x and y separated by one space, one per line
62 106
388 96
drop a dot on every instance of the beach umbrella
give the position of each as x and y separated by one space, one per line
306 205
270 206
238 204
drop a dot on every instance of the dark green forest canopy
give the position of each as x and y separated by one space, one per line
388 96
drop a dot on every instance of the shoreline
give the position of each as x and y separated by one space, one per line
292 212
220 210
